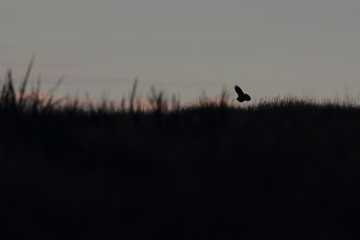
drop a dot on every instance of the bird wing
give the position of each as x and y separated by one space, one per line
239 91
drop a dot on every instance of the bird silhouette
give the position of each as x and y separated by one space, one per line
241 95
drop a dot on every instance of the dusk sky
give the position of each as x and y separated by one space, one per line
307 48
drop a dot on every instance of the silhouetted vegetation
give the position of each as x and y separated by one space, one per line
285 168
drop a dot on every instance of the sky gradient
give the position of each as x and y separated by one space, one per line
306 48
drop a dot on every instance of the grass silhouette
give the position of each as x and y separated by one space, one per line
286 167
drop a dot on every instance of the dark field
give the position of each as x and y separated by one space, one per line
287 169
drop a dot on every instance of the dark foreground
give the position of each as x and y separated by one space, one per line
281 170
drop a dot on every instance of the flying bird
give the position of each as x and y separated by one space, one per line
241 95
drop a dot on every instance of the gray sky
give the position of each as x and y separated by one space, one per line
269 47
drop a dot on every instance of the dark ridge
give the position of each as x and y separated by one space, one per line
286 168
